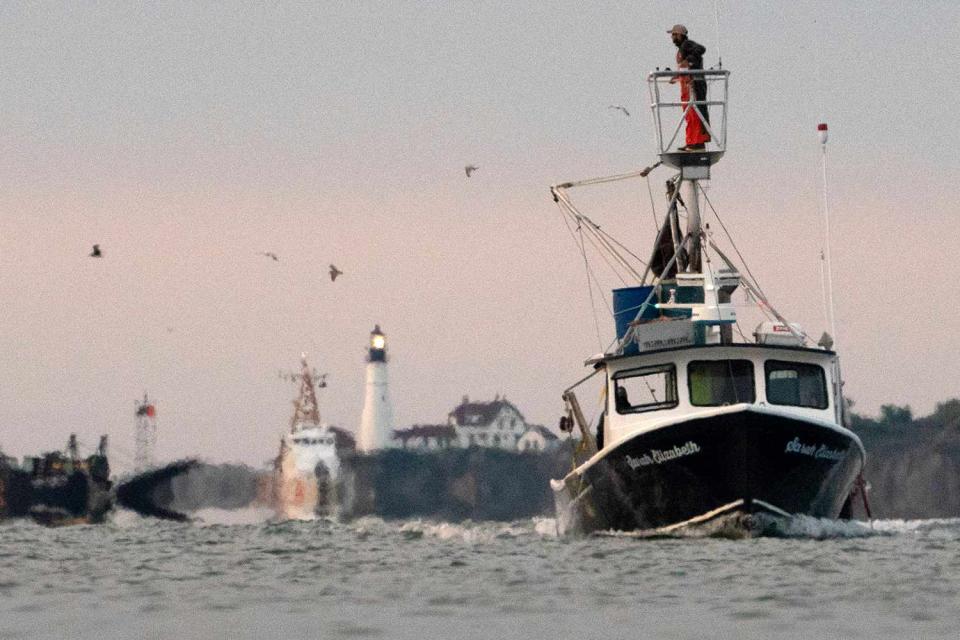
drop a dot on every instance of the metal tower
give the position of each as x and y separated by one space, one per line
145 434
306 409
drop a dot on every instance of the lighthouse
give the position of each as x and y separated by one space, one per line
376 421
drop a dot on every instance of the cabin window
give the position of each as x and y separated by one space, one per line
715 383
796 384
646 389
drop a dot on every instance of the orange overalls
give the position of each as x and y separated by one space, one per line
695 131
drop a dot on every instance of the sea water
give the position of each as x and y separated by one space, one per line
239 575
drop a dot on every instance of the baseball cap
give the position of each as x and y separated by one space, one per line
678 28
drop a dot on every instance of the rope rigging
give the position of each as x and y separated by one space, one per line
620 259
590 275
593 306
561 198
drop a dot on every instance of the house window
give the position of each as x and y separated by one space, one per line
645 389
715 383
796 384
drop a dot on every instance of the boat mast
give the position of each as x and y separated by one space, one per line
306 409
689 187
681 287
671 116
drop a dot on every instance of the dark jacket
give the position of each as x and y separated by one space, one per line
691 52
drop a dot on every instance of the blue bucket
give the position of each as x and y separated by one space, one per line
626 306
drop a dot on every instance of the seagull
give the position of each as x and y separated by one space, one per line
270 254
470 169
96 252
619 108
334 272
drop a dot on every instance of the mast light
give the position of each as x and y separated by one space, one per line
822 132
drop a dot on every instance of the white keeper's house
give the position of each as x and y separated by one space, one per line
497 424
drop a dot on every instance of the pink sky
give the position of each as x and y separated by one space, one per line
184 143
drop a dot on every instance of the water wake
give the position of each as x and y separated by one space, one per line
240 517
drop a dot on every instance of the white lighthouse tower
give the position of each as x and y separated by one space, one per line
376 421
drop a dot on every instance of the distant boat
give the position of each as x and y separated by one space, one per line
57 488
308 463
698 428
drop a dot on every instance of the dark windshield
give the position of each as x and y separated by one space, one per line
715 383
646 389
796 384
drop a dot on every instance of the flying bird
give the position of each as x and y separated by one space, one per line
334 272
96 252
619 108
270 254
470 169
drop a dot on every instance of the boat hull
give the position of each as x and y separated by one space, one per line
732 464
55 499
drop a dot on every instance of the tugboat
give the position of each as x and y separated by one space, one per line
58 488
699 429
308 464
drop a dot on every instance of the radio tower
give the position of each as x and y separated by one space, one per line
145 434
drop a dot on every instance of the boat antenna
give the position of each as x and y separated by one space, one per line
831 316
823 287
716 15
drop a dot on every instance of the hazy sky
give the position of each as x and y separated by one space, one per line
185 138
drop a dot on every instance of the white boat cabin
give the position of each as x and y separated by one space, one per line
649 390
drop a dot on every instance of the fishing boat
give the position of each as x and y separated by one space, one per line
701 426
308 464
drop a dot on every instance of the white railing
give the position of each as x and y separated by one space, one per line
670 113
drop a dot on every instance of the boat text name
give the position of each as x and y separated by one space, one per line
822 452
658 456
665 343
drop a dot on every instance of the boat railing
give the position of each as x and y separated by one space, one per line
707 104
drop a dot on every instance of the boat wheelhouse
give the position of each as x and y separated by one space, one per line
696 425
